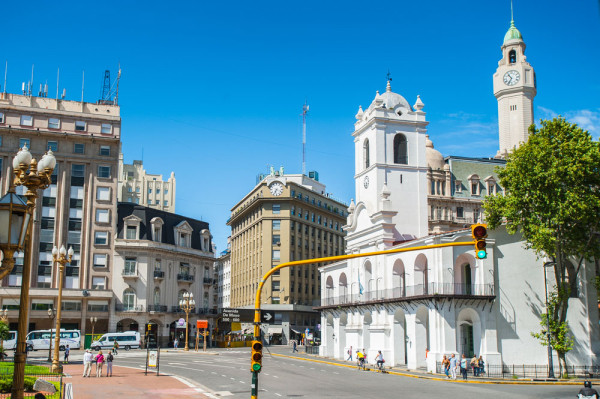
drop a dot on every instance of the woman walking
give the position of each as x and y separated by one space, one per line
109 360
99 364
463 367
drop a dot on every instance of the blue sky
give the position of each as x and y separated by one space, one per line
214 90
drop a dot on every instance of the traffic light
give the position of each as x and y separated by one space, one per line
256 360
479 233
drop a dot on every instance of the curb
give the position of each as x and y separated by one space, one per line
433 378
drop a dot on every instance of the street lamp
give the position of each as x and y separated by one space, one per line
187 304
62 257
93 320
14 220
51 316
550 361
35 176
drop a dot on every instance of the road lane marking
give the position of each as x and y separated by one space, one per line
223 375
277 394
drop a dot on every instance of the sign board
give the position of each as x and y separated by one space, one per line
201 324
238 315
267 316
153 359
180 323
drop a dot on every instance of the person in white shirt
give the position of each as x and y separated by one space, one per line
87 363
379 360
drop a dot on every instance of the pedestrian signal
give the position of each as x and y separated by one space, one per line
256 360
479 233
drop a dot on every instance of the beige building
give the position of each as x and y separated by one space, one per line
285 217
78 209
138 187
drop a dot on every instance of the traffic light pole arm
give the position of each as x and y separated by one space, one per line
336 258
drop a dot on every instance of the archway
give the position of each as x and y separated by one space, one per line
421 275
329 291
398 279
369 281
343 288
127 325
421 338
468 333
464 274
366 338
400 353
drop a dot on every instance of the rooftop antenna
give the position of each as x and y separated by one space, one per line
105 95
5 70
82 84
304 112
389 76
118 78
511 11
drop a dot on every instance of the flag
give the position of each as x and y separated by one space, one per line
360 287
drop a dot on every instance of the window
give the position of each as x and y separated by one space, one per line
129 299
101 238
26 120
97 306
137 189
474 187
105 150
130 264
157 202
275 285
80 126
102 216
366 155
100 260
276 254
53 123
72 306
98 283
458 186
491 187
156 297
149 191
158 191
1 117
104 171
512 57
131 232
23 143
276 224
460 213
106 128
166 203
400 149
77 170
103 193
277 239
79 148
276 208
293 210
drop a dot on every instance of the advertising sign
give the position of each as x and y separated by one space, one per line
180 323
201 324
153 359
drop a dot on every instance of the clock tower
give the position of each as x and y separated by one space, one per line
514 88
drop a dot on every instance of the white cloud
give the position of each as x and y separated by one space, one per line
585 118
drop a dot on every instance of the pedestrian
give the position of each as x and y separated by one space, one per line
99 364
481 366
176 343
475 365
463 367
587 391
379 360
364 352
446 366
453 366
294 346
349 354
87 363
109 361
67 352
115 347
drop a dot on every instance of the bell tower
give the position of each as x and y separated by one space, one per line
514 88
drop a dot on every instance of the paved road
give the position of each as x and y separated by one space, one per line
227 375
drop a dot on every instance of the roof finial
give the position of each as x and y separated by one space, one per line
389 79
512 20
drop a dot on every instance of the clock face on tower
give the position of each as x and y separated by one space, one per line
276 189
366 182
511 78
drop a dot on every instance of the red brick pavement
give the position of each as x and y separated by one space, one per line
126 382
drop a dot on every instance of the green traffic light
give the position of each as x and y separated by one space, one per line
481 254
256 367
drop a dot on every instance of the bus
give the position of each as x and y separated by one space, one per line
40 339
126 340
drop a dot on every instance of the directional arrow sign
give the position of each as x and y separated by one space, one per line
266 316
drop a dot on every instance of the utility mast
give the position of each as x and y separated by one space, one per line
304 112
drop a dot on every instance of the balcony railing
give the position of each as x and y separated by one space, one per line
203 310
188 278
159 274
119 307
157 308
177 309
420 290
129 273
208 280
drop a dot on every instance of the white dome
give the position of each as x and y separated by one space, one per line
435 160
391 100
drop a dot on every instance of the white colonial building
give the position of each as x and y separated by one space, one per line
418 306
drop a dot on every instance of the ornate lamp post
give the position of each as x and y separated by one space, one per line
187 304
62 257
35 176
93 320
51 316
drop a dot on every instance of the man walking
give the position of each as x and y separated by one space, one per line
453 366
67 352
294 349
87 363
349 354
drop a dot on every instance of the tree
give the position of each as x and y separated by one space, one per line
552 197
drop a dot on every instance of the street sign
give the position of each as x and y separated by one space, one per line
238 315
201 324
266 316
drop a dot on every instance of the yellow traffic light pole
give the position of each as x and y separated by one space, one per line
327 259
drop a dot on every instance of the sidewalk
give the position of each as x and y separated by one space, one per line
126 382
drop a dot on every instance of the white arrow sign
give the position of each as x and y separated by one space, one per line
267 316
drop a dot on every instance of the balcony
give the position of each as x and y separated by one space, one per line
159 274
177 309
208 280
129 273
157 308
119 307
185 278
420 291
203 311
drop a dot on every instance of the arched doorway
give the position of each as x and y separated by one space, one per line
400 353
127 325
421 338
178 331
421 275
468 333
398 279
464 275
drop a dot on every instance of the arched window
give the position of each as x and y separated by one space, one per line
400 149
512 56
366 154
156 297
129 299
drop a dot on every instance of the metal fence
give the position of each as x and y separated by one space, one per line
32 374
535 371
431 289
311 349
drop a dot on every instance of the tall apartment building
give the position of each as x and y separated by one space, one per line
138 187
285 217
77 210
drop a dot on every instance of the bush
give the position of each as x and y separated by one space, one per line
7 382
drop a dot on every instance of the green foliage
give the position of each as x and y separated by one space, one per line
560 339
4 331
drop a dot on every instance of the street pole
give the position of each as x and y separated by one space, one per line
62 257
187 304
93 321
51 316
254 387
549 335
